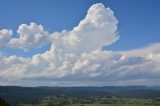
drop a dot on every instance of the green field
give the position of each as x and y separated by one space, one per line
109 105
92 105
94 101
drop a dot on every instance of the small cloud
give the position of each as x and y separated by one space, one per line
5 36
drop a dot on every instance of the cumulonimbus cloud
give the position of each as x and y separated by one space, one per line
77 55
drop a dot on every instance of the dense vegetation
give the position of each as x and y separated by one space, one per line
3 102
79 96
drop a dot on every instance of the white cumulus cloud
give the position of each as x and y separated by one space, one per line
30 36
76 56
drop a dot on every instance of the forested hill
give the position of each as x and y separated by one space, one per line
15 94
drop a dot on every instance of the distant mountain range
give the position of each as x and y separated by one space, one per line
16 94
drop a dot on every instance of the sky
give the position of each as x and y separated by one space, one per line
79 43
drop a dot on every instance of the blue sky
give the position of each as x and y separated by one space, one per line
135 41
